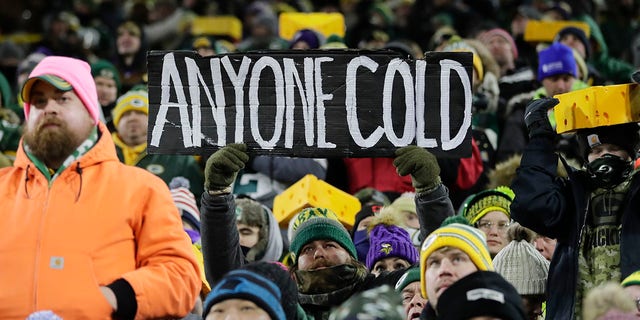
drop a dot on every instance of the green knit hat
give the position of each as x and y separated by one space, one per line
104 68
321 228
411 275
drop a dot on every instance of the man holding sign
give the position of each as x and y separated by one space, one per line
325 264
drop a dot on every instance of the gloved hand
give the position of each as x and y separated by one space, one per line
222 167
421 164
536 119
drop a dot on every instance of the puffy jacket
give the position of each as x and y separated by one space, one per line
556 208
99 223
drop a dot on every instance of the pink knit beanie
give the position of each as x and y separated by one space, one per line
65 74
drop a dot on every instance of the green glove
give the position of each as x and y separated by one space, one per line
223 166
421 164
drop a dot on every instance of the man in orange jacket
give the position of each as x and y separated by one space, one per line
82 235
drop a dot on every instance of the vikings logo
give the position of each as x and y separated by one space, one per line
386 248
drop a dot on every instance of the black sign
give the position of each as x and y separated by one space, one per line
319 104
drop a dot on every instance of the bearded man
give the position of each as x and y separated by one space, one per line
79 234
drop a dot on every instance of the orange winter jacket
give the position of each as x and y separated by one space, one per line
98 221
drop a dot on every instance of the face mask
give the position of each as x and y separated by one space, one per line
361 241
414 234
608 171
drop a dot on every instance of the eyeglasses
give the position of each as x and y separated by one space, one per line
487 225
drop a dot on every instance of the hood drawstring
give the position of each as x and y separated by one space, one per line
26 180
79 171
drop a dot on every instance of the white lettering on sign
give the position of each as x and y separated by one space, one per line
421 139
400 66
351 102
238 80
298 95
262 63
447 65
307 98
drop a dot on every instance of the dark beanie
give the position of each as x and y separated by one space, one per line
247 285
308 36
279 274
367 211
482 293
623 135
578 33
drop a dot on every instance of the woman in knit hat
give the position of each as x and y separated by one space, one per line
525 268
390 246
489 211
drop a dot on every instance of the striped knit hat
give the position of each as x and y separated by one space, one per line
305 215
632 279
185 201
247 285
460 236
318 224
498 199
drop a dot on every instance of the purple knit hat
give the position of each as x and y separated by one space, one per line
390 241
308 36
556 59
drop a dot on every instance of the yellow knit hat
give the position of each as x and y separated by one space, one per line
632 279
457 44
478 205
460 236
132 100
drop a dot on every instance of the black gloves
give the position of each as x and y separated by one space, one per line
223 166
421 164
536 119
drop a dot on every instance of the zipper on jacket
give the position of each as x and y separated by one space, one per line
38 257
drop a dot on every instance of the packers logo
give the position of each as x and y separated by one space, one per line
386 248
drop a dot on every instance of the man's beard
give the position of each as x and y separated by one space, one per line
51 145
